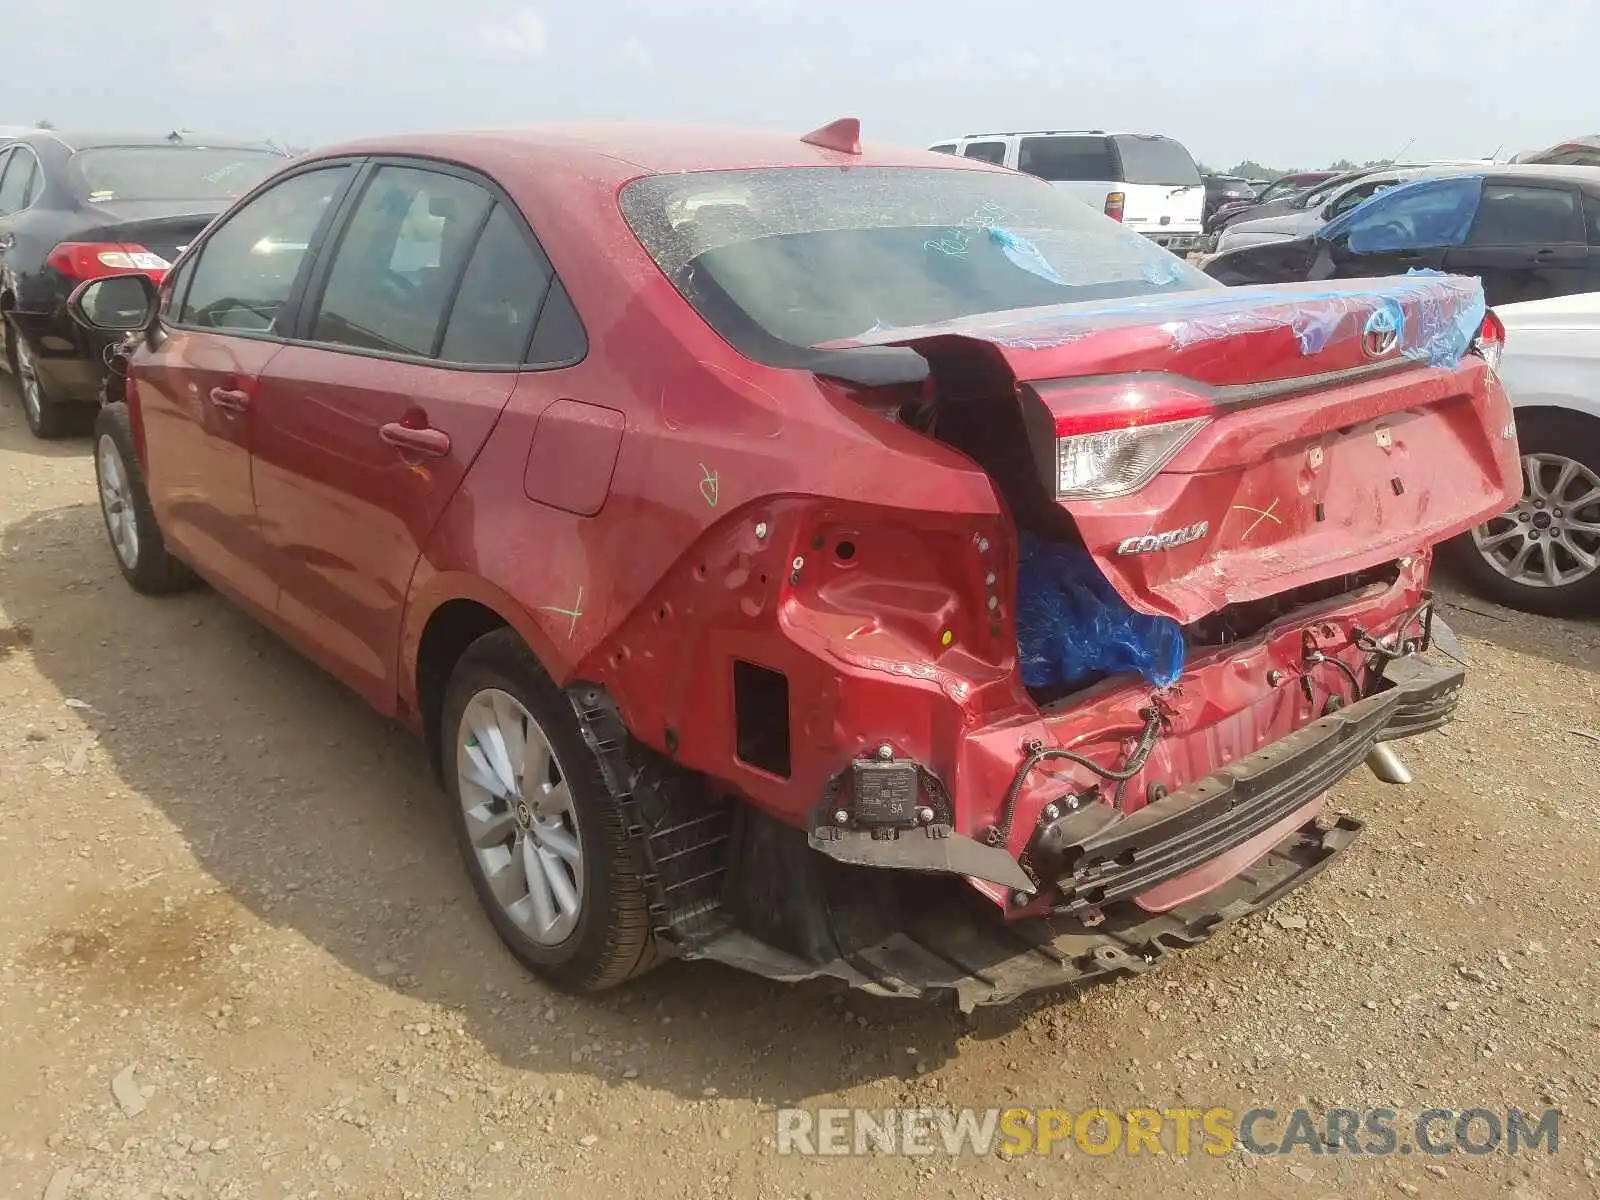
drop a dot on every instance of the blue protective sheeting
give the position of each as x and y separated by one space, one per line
1426 214
1072 624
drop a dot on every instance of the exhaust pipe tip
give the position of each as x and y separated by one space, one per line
1388 766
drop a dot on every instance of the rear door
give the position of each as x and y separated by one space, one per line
410 343
198 385
1527 243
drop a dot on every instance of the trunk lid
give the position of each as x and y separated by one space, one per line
164 227
1319 429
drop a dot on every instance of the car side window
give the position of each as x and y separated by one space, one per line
504 288
989 152
1430 214
944 148
247 267
1356 195
16 182
399 260
1514 214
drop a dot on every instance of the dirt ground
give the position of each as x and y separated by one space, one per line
218 869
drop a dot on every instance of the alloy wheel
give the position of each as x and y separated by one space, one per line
520 816
1551 539
116 501
28 382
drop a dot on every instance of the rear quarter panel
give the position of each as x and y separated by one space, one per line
1553 368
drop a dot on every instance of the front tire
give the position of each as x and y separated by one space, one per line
136 541
544 841
1543 555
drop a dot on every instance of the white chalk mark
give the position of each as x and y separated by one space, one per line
574 613
709 484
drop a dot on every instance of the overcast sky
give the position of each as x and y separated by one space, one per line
1283 81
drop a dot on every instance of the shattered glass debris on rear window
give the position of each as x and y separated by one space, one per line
809 256
1073 627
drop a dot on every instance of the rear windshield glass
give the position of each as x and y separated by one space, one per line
780 260
1067 159
1156 160
169 172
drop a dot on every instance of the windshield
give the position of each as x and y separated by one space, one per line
169 172
1156 160
780 260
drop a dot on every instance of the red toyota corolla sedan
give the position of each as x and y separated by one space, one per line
868 564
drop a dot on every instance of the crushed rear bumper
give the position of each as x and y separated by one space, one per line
1139 892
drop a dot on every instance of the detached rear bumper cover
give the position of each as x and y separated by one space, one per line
960 946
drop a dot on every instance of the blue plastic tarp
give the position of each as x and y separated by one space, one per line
1425 214
1073 626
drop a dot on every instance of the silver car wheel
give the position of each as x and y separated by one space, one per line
520 816
116 502
1551 539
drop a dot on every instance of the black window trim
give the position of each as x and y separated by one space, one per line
308 298
291 302
1529 184
10 152
1003 141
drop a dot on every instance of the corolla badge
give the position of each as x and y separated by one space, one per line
1381 334
1153 542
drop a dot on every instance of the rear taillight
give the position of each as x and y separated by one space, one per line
1114 205
1490 343
1115 436
94 260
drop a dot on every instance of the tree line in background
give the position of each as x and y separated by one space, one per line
1250 169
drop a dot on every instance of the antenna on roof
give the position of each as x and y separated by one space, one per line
843 135
174 136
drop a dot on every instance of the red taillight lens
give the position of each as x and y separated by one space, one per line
1490 343
94 260
1114 205
1115 436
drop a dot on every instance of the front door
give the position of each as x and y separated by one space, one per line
368 423
198 386
1405 228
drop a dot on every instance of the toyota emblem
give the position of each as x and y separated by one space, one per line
1381 334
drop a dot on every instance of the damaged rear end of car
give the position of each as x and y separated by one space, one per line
988 748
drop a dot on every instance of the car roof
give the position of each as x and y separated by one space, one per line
967 137
1562 173
621 151
79 140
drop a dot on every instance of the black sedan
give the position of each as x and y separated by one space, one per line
1224 189
76 207
1529 232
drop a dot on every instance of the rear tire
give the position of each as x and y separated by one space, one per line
46 417
136 541
1559 444
544 841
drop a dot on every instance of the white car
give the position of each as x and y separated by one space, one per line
1544 555
1145 180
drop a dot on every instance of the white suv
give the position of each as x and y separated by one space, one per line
1148 182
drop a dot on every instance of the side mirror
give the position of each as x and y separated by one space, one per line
114 304
1327 213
